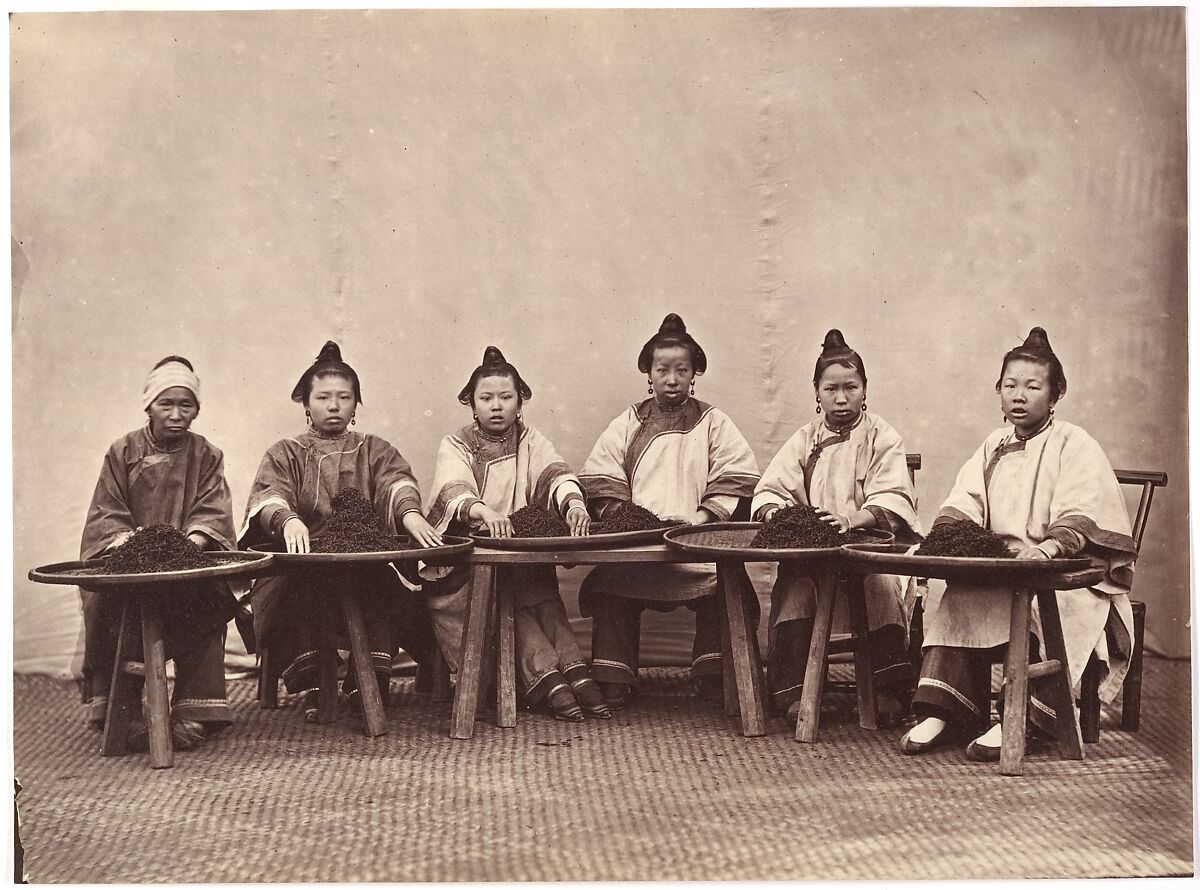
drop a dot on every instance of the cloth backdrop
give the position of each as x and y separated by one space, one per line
239 187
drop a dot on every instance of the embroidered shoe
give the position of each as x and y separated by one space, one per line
563 705
616 695
591 698
187 734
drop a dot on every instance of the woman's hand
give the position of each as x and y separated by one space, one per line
579 521
420 530
768 512
1032 553
840 522
295 536
700 517
498 526
199 540
122 538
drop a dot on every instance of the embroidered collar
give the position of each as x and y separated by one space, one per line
317 434
669 409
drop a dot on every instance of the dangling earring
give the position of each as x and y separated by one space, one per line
308 417
864 407
693 391
1051 410
818 406
351 420
650 387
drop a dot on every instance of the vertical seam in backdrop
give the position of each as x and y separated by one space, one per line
772 205
339 263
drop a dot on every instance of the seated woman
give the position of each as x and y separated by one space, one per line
164 474
851 467
1047 487
485 472
290 502
682 460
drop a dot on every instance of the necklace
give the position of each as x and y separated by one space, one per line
1045 426
484 434
839 430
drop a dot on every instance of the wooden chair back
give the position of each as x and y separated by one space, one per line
1148 480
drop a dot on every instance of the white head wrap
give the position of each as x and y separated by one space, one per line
164 377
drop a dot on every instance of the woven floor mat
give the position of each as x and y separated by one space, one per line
668 790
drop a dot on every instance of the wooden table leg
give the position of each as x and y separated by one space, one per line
746 669
506 668
327 656
814 673
1016 684
158 708
728 677
864 671
466 694
121 686
1070 744
364 670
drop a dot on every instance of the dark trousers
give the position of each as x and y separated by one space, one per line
787 661
289 609
617 627
194 622
956 685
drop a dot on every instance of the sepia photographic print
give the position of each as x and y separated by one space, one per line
568 445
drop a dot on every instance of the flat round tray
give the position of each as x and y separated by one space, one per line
235 564
452 547
892 559
571 542
732 539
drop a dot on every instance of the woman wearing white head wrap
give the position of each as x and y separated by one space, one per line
165 474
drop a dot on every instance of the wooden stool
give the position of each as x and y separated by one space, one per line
327 664
1018 672
490 624
153 668
814 674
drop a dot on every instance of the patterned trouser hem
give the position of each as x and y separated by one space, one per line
606 671
203 710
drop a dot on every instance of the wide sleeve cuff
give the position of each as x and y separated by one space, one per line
721 506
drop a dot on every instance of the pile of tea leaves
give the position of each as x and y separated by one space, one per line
156 548
964 538
628 517
538 522
353 527
797 527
